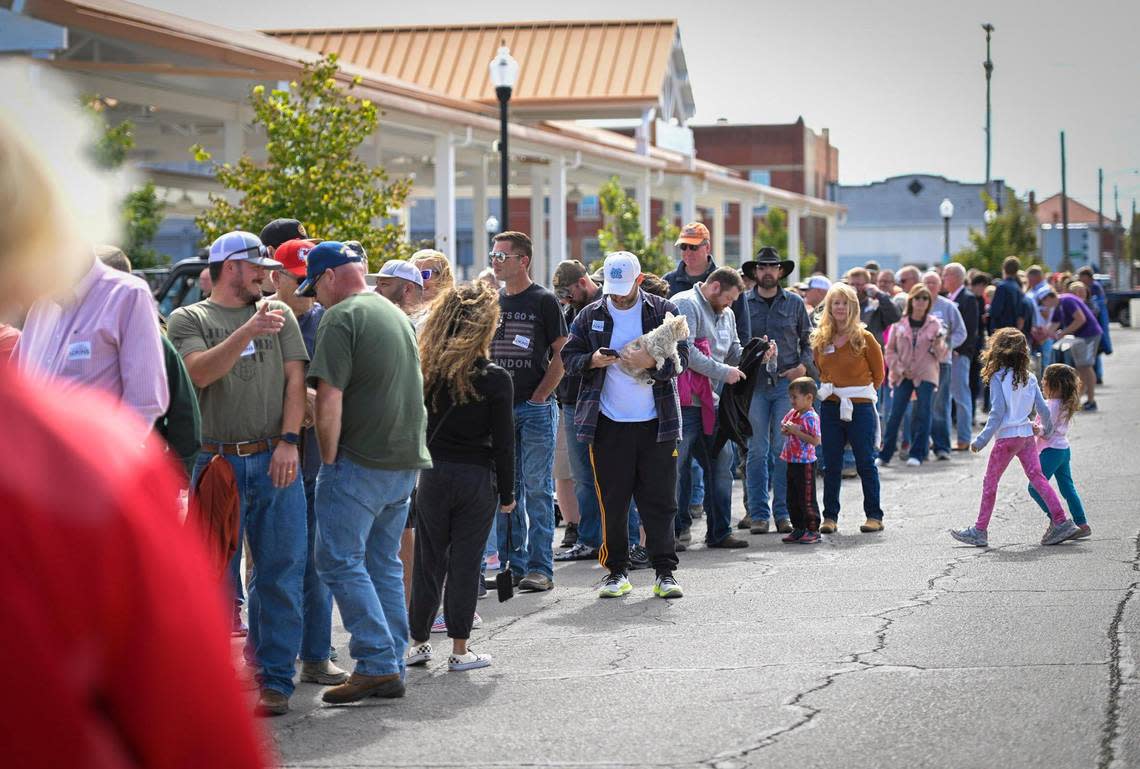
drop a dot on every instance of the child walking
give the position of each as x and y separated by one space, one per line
800 427
1013 395
1062 389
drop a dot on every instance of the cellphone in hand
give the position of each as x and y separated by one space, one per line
609 351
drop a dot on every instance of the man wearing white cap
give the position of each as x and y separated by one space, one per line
632 426
402 284
817 286
247 359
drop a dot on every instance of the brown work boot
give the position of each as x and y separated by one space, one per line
360 686
272 703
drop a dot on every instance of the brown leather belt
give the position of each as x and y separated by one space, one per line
242 448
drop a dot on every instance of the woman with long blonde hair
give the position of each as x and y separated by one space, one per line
850 364
471 437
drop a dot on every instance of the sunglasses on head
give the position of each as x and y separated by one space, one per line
691 247
260 249
499 256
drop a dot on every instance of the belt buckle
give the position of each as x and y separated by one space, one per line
239 445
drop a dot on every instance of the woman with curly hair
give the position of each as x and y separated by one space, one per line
1013 395
850 364
470 405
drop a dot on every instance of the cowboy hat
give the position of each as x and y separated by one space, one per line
767 255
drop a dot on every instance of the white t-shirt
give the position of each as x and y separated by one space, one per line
625 399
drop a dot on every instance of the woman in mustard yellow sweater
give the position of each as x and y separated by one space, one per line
850 364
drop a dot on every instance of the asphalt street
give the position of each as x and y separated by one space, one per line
898 649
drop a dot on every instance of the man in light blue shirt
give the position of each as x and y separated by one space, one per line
955 328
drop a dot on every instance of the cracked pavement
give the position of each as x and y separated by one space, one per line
900 649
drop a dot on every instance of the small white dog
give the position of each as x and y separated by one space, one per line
661 343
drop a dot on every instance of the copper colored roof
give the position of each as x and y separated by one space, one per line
563 62
1049 211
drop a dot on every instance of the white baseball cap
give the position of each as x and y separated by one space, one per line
398 268
818 281
244 246
620 272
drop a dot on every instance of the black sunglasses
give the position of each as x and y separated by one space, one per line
260 249
691 247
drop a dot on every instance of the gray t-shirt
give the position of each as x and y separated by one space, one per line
247 403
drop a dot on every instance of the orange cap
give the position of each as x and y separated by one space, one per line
693 233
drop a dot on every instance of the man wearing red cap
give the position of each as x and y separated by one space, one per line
316 632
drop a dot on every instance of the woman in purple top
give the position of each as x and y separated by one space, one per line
1071 316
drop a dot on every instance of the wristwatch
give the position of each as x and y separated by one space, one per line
293 439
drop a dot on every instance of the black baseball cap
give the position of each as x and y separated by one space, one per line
279 231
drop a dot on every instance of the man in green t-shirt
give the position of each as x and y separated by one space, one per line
246 358
370 420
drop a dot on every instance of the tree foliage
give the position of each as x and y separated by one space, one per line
621 231
312 172
141 209
1013 232
772 231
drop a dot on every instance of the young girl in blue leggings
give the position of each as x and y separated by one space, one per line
1062 390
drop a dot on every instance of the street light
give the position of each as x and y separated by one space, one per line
492 227
988 66
504 75
946 208
989 216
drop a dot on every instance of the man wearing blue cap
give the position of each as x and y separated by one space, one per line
246 357
371 424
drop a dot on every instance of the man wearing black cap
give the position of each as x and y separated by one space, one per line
280 231
780 316
247 358
371 424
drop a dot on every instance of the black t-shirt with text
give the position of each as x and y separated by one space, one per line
529 322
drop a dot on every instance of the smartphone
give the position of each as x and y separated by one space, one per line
609 351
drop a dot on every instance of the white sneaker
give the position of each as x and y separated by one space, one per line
879 462
419 654
468 661
912 462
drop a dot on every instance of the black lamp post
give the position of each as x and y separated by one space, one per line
946 208
504 75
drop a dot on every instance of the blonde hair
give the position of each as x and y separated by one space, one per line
828 329
435 260
919 289
457 333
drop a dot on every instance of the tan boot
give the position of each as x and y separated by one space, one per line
272 703
360 686
323 672
829 526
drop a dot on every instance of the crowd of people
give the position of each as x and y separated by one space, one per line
398 442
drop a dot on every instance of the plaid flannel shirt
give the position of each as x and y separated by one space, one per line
592 328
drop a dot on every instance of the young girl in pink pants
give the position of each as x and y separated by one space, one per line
1013 396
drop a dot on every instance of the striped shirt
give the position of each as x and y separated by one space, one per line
104 336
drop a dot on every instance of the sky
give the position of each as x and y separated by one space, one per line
899 83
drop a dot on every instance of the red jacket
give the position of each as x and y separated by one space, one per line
915 357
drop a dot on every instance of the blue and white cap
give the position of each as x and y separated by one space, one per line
620 273
243 246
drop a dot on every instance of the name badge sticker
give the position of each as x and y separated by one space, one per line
829 349
522 341
79 351
598 325
249 350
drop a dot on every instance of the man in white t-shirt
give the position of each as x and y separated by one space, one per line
632 426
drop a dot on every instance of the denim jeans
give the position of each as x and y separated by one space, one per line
920 420
963 399
695 446
940 425
532 521
273 520
317 602
766 472
696 485
860 433
361 513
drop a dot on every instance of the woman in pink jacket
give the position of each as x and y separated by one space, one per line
915 345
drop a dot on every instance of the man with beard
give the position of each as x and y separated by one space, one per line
247 359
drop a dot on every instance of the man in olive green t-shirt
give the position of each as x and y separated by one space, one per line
246 358
371 423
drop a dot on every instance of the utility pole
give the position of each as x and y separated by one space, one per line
1065 265
989 67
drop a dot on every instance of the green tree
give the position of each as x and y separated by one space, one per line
141 209
1013 232
621 231
772 231
312 172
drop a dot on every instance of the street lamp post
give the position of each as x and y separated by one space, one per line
989 67
504 74
492 228
946 208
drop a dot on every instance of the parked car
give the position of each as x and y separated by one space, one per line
180 287
1119 301
154 276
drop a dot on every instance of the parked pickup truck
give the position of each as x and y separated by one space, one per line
180 286
1118 304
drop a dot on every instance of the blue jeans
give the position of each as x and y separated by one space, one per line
940 427
361 513
860 433
317 602
696 485
695 446
962 397
920 420
532 521
769 404
273 520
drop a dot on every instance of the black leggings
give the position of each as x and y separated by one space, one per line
455 505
